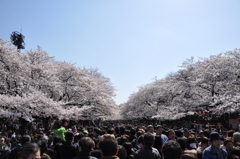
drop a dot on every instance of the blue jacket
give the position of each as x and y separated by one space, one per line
210 153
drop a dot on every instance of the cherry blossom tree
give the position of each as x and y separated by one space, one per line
210 85
33 84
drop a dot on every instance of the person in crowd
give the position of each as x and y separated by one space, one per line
132 135
108 147
236 138
43 149
171 135
228 144
214 151
202 146
29 151
4 153
122 153
96 134
129 150
122 130
158 143
135 141
186 133
230 133
150 129
159 131
148 151
116 131
171 150
140 142
86 145
122 139
191 143
178 133
182 143
67 150
24 140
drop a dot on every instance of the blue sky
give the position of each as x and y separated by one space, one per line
129 41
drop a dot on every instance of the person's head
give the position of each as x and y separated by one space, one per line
116 130
178 133
122 139
132 132
110 131
215 139
171 134
182 143
230 133
171 149
191 142
128 147
150 129
86 144
69 136
3 139
204 142
56 140
122 153
236 137
158 143
206 133
108 145
139 133
159 130
148 139
25 139
140 141
122 130
186 132
228 143
201 134
96 131
29 151
42 145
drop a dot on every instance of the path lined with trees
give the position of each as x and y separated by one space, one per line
33 85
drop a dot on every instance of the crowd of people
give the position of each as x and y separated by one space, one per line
120 142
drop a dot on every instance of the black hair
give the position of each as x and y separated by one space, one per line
25 139
148 139
69 136
56 140
140 139
43 146
98 131
182 143
86 144
171 149
158 143
110 131
28 149
132 131
108 146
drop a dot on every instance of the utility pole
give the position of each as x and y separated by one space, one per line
18 40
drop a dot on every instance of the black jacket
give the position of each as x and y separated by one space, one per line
147 152
84 155
67 151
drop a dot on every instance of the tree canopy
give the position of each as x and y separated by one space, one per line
210 85
34 84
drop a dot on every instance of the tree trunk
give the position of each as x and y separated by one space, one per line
23 126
